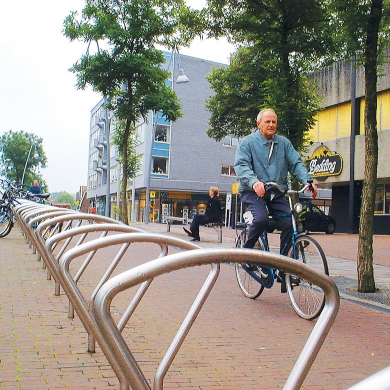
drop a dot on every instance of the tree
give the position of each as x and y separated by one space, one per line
65 197
22 156
237 98
364 32
282 41
127 64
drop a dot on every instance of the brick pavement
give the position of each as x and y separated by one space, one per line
235 343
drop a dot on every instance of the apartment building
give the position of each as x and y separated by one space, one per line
179 161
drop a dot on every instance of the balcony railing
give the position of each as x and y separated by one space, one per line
99 142
99 165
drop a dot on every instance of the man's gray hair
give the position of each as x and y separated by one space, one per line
260 114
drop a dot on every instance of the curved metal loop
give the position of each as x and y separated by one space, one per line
155 268
76 297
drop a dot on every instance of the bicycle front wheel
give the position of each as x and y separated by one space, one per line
5 223
306 298
248 285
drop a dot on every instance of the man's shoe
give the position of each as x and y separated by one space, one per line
188 232
196 239
294 281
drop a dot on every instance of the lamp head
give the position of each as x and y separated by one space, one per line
182 78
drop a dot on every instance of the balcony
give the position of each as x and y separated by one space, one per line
99 142
99 165
102 164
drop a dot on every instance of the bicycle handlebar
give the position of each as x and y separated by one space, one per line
272 185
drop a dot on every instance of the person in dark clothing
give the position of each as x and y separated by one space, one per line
35 188
213 214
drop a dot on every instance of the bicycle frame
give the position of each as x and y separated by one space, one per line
268 282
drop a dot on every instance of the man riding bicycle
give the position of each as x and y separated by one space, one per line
262 157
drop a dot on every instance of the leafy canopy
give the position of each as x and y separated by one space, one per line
20 150
278 44
126 65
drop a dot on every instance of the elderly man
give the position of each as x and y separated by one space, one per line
261 157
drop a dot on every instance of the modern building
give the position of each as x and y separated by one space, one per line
184 162
180 162
337 154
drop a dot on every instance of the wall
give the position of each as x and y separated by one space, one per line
196 160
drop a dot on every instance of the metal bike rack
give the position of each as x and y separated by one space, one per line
79 232
148 271
33 218
95 313
83 308
66 219
378 381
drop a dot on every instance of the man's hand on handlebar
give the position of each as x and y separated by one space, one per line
259 188
313 189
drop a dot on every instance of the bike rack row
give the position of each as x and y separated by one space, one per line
67 242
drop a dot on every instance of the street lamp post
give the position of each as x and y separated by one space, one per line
25 165
106 120
108 184
352 148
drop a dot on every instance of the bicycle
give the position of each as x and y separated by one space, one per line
9 199
6 214
306 299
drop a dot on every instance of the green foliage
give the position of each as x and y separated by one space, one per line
350 27
126 65
300 29
280 44
133 158
64 197
20 150
126 34
238 95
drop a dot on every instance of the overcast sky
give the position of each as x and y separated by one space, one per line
38 94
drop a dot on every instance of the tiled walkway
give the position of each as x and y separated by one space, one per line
236 343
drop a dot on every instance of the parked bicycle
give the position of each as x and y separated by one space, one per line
9 199
6 215
307 299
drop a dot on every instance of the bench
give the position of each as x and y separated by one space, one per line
170 220
217 226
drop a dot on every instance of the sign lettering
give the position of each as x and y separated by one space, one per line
324 163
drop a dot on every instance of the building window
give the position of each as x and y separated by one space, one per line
92 181
99 180
160 165
228 170
230 141
162 133
139 136
93 157
113 174
382 199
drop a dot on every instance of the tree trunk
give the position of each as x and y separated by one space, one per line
365 269
124 146
124 214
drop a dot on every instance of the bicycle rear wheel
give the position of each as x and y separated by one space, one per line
248 285
5 223
306 298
